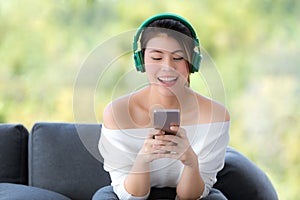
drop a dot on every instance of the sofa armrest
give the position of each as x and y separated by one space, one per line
61 160
13 153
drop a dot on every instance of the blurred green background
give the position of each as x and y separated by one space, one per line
254 44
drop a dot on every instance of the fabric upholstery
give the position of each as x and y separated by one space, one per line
242 179
13 153
9 191
64 158
64 163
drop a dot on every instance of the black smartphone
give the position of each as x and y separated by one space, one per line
163 118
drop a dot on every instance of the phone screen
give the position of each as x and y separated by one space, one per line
164 118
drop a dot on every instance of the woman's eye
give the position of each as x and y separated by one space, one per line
156 58
178 58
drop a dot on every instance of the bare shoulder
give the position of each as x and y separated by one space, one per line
212 111
108 119
126 112
116 113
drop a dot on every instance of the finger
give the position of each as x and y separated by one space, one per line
160 144
181 133
164 138
160 155
174 128
157 144
153 132
172 155
158 151
157 132
176 139
171 148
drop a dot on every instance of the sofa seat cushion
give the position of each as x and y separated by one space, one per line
22 192
13 153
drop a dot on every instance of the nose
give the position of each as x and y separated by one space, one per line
168 63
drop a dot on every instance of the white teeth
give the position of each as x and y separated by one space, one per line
167 79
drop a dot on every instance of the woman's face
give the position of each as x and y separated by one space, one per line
165 63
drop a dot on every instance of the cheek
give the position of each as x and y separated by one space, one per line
151 71
183 70
152 68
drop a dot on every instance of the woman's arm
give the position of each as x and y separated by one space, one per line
137 182
191 185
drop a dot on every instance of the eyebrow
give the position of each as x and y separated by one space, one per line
158 51
178 51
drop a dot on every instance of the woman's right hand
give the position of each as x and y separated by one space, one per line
148 152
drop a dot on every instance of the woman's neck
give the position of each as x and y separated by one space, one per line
173 100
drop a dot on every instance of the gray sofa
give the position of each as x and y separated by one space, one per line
60 161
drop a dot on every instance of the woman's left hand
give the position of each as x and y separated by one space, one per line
177 146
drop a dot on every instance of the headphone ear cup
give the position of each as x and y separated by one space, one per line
139 61
196 60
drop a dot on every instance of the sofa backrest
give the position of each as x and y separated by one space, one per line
13 153
64 157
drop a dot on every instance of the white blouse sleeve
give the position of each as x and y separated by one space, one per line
118 159
121 192
211 152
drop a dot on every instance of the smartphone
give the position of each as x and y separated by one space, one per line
162 119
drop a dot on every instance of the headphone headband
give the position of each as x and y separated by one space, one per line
138 58
163 16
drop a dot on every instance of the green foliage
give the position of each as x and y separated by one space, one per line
253 48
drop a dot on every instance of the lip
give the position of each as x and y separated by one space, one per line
167 81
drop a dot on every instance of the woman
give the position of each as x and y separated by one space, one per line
141 159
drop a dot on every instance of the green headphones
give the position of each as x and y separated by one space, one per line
138 55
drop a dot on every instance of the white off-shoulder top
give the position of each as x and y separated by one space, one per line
119 149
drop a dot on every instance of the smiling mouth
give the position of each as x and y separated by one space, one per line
167 79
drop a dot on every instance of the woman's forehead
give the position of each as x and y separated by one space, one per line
163 42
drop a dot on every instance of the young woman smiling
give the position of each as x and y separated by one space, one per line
141 159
